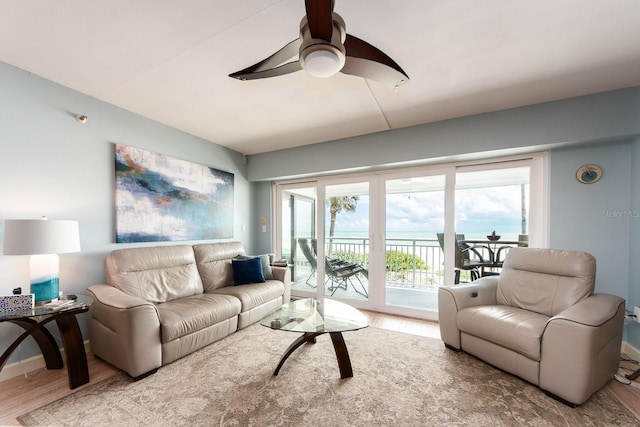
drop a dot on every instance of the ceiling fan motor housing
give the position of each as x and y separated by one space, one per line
323 58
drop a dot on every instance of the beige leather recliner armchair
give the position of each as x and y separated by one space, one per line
540 320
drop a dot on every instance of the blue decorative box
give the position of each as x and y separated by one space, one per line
11 303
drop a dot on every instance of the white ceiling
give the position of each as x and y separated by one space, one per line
169 60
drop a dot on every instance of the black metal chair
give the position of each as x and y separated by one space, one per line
468 258
310 255
523 240
341 272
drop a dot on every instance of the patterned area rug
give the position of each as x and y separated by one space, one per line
399 380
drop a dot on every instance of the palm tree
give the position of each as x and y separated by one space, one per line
337 205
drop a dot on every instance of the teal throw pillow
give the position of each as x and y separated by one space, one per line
247 271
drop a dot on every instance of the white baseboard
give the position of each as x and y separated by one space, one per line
17 369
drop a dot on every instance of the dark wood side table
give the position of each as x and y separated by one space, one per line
33 322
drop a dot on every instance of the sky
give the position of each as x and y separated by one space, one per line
478 211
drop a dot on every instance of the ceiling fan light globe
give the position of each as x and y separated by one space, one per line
322 63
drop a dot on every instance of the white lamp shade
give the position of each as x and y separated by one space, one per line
35 236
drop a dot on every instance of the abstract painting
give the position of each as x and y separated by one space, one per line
160 198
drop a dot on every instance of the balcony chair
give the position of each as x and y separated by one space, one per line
540 320
501 253
342 272
310 255
468 258
339 272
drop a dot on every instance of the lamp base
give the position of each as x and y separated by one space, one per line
45 291
45 283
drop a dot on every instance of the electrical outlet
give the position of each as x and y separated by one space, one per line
636 312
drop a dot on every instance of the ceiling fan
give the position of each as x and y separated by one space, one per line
324 49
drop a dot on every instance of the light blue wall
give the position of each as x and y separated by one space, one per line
52 165
593 217
633 329
262 209
600 117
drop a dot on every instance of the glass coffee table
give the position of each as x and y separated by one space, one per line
313 317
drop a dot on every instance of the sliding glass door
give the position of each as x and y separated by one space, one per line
387 240
326 242
414 263
346 240
298 228
491 216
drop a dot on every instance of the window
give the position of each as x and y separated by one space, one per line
389 224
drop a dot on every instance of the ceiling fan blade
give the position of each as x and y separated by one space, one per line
368 61
320 18
272 66
290 67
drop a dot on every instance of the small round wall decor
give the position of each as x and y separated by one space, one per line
588 174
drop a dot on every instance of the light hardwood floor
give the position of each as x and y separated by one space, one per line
19 395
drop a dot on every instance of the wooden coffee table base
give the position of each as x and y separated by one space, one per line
340 347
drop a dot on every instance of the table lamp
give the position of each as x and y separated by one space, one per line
43 240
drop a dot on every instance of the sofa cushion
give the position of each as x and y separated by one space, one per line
186 315
156 274
546 281
254 294
267 271
510 327
266 267
247 271
214 263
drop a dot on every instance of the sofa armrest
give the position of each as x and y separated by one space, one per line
580 349
283 274
124 330
452 299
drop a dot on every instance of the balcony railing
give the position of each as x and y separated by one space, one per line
410 263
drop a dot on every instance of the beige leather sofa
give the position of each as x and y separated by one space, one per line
539 320
162 303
